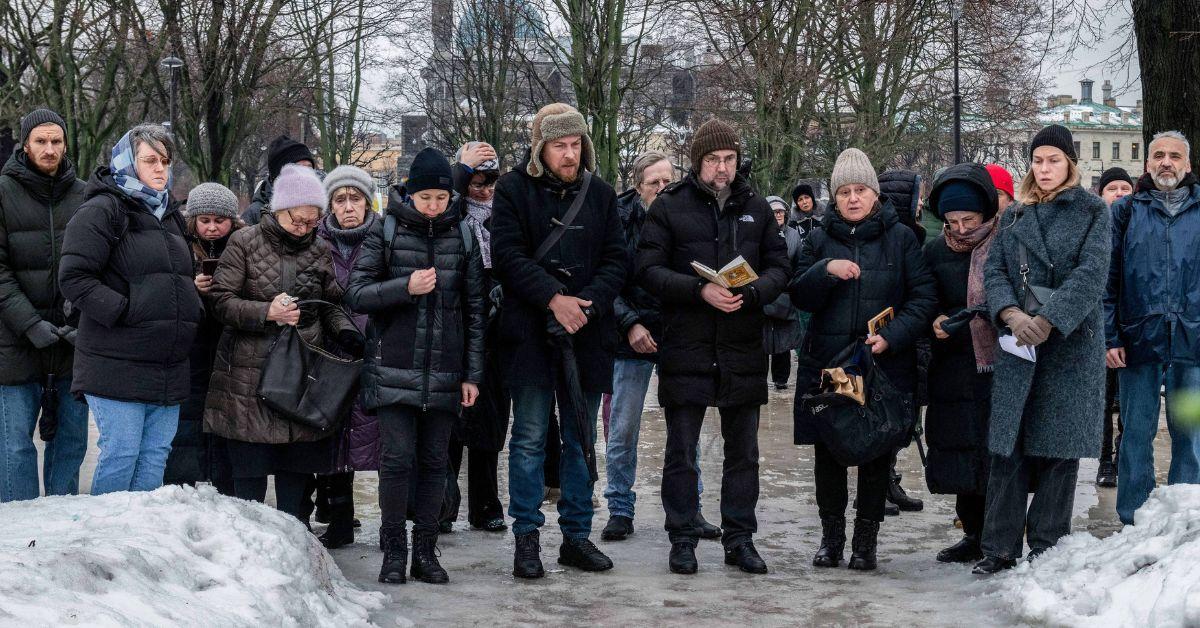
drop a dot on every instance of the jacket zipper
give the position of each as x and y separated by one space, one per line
54 289
429 319
857 282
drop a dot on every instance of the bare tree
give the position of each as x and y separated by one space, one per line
1168 43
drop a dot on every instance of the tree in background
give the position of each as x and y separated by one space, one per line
1168 47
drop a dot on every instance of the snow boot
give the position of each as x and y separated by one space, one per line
393 542
425 566
833 541
527 558
862 554
341 523
1106 475
965 551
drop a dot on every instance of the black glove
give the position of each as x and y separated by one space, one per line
68 333
749 295
352 343
42 334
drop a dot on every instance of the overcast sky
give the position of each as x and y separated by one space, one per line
1127 85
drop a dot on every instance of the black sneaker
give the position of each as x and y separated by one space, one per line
992 564
683 557
527 558
1106 475
583 554
746 558
617 529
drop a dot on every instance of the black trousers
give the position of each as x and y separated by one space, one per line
970 511
1110 448
739 472
483 496
833 492
412 438
290 491
781 367
1007 523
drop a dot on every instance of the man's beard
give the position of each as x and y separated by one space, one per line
1166 181
566 178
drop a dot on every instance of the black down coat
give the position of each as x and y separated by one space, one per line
34 211
592 252
960 398
420 349
707 357
635 305
130 276
893 275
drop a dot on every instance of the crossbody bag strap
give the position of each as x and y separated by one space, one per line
567 220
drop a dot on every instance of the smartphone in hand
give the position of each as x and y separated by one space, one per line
208 266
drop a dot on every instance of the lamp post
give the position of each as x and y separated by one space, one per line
172 64
956 7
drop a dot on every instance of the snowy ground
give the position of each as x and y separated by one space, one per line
910 588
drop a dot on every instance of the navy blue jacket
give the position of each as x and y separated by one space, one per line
635 305
1152 307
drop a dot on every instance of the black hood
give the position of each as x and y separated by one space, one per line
903 189
45 188
972 174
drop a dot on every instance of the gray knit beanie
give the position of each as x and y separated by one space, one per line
853 166
38 117
349 177
212 199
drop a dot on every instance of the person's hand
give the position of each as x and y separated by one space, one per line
203 283
475 153
568 311
1026 331
937 327
422 281
843 269
42 334
877 343
1115 358
470 392
721 298
641 340
68 333
283 310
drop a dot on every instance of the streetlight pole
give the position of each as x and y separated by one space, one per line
173 64
956 7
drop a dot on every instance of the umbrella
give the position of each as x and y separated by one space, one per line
575 407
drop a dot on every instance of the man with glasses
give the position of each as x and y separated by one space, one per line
712 354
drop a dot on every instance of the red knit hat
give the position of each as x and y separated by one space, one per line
1001 179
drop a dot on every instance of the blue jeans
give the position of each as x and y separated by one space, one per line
135 439
526 454
1139 415
19 410
631 381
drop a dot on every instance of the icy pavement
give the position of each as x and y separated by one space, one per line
173 557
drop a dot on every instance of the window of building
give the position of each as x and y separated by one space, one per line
1116 151
1095 150
1133 152
1077 149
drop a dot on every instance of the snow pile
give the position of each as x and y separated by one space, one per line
176 556
1146 575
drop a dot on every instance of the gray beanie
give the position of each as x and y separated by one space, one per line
212 199
853 166
350 177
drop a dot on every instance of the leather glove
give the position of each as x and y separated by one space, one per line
351 342
1026 331
68 333
42 334
1043 327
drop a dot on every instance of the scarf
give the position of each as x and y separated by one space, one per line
348 239
478 214
125 176
978 241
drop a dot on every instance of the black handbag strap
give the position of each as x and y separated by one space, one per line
567 220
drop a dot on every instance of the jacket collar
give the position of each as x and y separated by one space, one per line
740 189
1145 187
400 206
870 228
1027 226
41 186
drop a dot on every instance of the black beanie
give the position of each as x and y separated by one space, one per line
1057 136
430 170
803 189
283 151
37 118
1113 174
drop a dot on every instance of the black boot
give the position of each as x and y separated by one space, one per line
341 523
965 551
425 565
897 496
706 529
992 564
862 547
746 558
393 542
527 558
323 513
617 528
683 557
833 541
1106 475
583 554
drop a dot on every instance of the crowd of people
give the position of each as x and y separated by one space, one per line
540 295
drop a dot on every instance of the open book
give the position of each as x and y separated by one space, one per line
735 274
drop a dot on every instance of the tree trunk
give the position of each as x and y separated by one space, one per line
1168 40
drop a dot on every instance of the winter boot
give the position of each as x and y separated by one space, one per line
833 541
617 528
425 566
965 551
341 523
866 535
393 542
1106 475
897 496
706 529
992 564
583 554
323 513
527 558
683 557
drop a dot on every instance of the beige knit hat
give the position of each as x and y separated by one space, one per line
555 121
853 166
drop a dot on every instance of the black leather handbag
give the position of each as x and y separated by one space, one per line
857 433
306 384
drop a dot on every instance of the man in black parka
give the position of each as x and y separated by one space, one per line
711 351
570 289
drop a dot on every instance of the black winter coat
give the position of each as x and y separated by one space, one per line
893 275
420 349
708 357
635 305
130 276
592 252
960 398
902 188
34 211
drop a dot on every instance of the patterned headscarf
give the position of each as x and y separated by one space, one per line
125 175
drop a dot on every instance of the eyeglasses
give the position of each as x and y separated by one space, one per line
713 160
479 187
300 222
152 161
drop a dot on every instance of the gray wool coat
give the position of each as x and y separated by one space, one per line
1054 405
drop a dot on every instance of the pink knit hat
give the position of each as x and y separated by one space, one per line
298 186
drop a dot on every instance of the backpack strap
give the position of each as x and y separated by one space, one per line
389 234
468 237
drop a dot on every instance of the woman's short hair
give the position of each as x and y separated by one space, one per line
156 135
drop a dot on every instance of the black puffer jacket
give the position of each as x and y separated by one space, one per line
635 305
34 211
902 188
708 357
893 275
130 276
420 349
